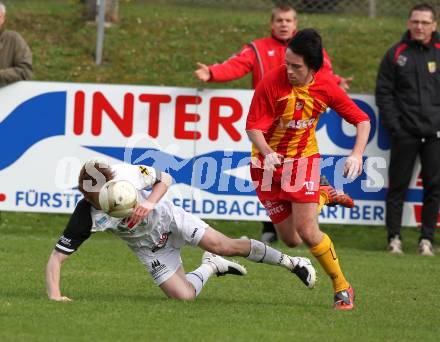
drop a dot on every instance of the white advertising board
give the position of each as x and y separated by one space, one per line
48 130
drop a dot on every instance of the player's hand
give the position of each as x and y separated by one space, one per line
345 82
60 299
272 161
203 73
140 212
353 166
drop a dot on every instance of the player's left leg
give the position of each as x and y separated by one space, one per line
179 287
165 267
212 264
188 286
321 246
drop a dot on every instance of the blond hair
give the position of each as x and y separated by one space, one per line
282 7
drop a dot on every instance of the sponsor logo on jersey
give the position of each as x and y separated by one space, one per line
271 53
298 124
299 105
103 220
432 67
144 170
162 242
124 228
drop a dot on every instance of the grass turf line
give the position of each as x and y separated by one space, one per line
115 299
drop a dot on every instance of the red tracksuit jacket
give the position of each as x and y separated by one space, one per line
260 56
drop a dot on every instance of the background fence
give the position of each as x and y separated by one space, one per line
372 8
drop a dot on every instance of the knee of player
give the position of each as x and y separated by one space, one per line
223 248
292 241
188 296
308 236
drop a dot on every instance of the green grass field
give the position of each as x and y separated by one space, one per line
159 44
115 300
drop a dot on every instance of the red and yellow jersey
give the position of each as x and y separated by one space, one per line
288 115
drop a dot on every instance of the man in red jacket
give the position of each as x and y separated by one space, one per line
264 54
259 57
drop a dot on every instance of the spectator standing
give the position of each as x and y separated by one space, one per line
259 57
15 55
408 97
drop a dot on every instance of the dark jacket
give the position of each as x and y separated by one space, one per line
408 87
15 58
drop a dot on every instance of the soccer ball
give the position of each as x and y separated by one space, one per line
118 198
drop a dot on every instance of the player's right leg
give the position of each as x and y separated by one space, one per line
330 196
254 250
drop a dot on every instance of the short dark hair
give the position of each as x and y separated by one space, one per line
308 44
282 6
423 7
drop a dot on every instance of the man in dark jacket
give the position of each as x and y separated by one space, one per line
15 55
408 97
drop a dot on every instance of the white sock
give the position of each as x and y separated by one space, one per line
199 277
261 252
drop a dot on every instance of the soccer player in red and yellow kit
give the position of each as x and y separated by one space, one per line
285 166
259 57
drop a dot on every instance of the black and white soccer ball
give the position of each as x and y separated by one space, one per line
118 198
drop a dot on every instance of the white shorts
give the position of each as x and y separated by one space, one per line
186 229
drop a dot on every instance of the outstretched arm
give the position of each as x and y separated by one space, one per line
159 189
53 273
233 68
202 72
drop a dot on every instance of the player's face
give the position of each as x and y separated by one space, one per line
283 24
421 25
298 73
2 19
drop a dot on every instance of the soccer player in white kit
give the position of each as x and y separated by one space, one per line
156 231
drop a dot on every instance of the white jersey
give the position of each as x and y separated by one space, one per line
156 240
153 231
